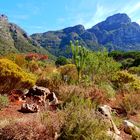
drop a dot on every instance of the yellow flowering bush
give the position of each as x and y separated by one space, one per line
127 80
12 76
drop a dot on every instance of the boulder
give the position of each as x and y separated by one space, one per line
113 135
106 111
38 91
29 108
52 99
38 94
130 128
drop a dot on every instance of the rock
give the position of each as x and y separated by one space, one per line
52 99
29 108
113 135
38 91
106 111
130 128
38 94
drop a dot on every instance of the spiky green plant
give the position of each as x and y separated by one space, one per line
79 56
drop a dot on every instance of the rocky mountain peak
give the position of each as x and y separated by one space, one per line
118 19
79 29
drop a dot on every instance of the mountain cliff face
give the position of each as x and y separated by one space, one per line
57 41
14 39
117 32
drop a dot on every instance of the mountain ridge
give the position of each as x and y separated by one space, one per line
117 32
13 39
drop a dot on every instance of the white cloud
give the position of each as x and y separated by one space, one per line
101 13
131 8
138 21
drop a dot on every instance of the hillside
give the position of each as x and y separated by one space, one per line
15 39
117 32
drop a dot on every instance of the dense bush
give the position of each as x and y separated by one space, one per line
130 103
26 130
134 70
108 90
100 67
12 76
120 55
128 59
61 61
69 73
126 63
125 80
96 95
81 122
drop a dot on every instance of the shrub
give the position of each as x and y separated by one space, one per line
125 80
108 89
53 81
12 76
81 123
130 103
126 63
69 73
61 61
100 67
3 101
36 56
25 130
134 70
20 61
66 92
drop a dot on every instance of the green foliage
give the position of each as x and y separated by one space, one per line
127 59
12 76
79 55
125 80
134 70
81 122
61 61
108 89
120 55
100 67
126 63
3 101
136 62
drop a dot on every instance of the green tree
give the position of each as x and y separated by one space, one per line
61 61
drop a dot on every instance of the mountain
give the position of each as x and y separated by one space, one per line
15 39
57 41
117 32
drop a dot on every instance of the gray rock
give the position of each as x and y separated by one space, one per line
29 108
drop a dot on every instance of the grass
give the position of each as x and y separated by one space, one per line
3 101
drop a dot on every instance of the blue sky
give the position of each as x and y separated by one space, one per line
43 15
